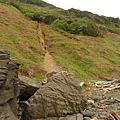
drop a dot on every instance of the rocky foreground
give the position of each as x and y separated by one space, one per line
60 97
9 88
102 105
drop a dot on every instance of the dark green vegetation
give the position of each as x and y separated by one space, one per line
80 42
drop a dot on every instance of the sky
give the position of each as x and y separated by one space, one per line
109 8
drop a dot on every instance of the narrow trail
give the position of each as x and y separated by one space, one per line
49 63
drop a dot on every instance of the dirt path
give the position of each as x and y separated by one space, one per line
49 63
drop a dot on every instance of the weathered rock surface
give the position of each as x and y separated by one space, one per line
59 97
28 87
68 117
9 89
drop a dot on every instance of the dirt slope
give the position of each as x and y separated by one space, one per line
49 63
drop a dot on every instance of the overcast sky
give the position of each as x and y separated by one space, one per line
110 8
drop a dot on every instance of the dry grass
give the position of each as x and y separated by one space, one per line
18 34
87 57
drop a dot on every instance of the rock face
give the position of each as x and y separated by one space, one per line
49 19
60 96
28 87
9 89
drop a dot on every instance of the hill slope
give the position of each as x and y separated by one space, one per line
18 34
86 56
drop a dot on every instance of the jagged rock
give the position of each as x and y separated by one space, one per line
4 59
9 89
50 74
87 113
49 19
61 96
6 113
68 117
28 87
5 95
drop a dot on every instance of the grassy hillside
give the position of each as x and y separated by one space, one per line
86 47
18 34
87 57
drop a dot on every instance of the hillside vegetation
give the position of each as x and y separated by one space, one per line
80 42
18 35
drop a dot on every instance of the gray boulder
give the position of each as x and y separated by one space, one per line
28 87
9 90
59 97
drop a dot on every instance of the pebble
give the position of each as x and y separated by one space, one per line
86 118
90 101
87 113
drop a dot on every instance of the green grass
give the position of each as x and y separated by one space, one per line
18 34
87 57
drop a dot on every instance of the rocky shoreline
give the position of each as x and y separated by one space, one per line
101 105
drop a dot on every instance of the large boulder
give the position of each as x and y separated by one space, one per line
28 87
60 96
9 89
49 19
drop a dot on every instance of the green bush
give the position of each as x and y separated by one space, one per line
114 30
82 26
61 24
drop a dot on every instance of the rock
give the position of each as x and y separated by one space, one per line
104 117
48 19
9 90
82 84
75 117
50 74
87 113
28 87
6 113
4 52
61 96
4 56
5 95
94 118
87 118
103 106
68 117
90 101
4 59
96 98
95 105
79 117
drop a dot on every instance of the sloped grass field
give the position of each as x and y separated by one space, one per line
18 34
87 57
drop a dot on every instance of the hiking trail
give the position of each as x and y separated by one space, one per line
49 63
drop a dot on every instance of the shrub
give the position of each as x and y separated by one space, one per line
61 24
84 26
114 30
